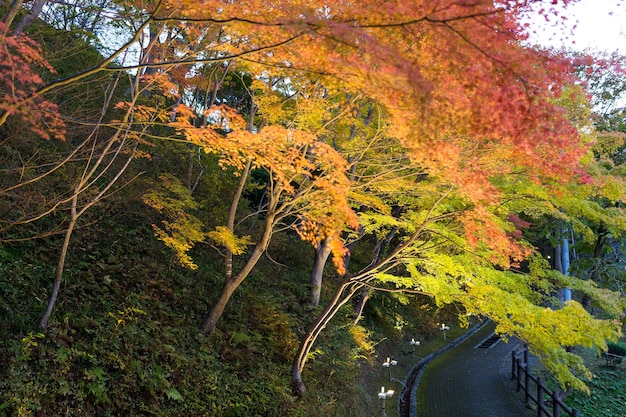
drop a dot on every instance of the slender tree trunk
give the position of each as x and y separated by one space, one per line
84 184
322 251
30 17
342 295
358 311
43 323
350 246
346 290
565 263
379 252
216 312
14 8
231 284
559 267
232 213
251 115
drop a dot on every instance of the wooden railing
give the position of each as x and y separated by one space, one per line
521 373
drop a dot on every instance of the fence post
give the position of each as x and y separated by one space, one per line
539 397
526 357
516 373
526 384
513 361
556 407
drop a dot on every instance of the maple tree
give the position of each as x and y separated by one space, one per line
406 85
306 179
434 241
94 159
19 80
472 112
591 212
111 155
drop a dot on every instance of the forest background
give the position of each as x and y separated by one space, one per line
238 208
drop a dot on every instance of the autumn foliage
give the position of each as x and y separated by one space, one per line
21 60
426 134
467 121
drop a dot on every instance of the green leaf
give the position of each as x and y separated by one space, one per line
173 394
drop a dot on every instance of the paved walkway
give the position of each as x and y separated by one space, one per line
470 382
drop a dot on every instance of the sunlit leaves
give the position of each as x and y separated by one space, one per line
311 174
452 80
224 237
547 330
484 229
180 230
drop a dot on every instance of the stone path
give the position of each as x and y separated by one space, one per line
469 381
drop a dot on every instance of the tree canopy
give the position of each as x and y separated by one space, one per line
426 134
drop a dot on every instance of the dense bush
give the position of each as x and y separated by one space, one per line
618 348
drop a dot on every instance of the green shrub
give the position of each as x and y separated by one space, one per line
618 348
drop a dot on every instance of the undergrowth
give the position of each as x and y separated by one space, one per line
607 388
124 336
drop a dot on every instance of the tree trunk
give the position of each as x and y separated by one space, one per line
349 286
565 262
350 246
342 295
208 327
30 17
43 323
377 256
232 213
83 185
358 311
14 8
322 251
231 284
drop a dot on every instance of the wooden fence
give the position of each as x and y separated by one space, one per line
553 406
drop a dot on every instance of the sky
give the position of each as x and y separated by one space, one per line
597 24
